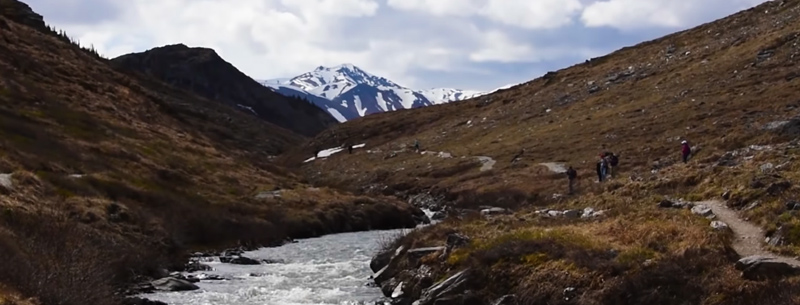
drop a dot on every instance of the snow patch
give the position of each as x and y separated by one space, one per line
247 107
336 115
325 153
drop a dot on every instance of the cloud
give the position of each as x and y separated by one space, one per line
471 44
529 14
637 14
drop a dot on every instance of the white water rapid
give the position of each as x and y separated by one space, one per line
329 270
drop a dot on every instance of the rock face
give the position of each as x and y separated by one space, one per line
763 268
22 13
202 71
173 284
239 260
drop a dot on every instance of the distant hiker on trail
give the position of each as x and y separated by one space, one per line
612 161
686 151
350 149
571 175
602 168
416 145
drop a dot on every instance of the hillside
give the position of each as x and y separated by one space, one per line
348 92
106 178
204 72
729 87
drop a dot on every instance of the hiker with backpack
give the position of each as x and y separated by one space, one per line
612 161
416 145
571 175
686 151
602 168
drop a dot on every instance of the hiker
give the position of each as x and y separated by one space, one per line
416 145
612 161
602 168
685 151
571 175
350 149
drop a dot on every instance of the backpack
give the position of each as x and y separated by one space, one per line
572 173
614 160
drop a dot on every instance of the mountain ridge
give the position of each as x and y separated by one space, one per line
203 71
348 92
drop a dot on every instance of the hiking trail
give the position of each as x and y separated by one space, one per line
748 240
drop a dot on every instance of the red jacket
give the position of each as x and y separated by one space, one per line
686 150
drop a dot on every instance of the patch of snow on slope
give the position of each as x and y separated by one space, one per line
360 108
407 97
330 151
248 108
337 115
382 102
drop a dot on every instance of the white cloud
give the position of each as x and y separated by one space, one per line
497 47
439 8
529 14
418 43
638 14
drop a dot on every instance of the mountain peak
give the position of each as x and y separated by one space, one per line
347 92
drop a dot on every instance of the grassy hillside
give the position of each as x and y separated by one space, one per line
107 177
729 87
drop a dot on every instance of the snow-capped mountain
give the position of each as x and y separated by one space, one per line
348 92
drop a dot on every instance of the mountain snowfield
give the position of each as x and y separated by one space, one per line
348 92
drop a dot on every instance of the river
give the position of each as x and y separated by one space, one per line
328 270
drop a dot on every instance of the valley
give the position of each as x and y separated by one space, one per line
170 175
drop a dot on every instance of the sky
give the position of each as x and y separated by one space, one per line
421 44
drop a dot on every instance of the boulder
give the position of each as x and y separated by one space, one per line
173 284
573 214
444 291
194 266
719 225
495 211
141 301
382 259
702 210
763 267
778 187
456 240
388 287
239 260
6 182
390 269
666 203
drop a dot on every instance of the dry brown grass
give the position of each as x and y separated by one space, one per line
637 254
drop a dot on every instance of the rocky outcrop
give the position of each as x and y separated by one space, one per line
403 277
173 284
764 268
22 13
204 72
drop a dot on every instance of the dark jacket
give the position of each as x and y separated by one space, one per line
572 174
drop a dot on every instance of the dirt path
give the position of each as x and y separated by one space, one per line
749 238
555 167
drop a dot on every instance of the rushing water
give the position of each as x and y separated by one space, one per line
329 270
